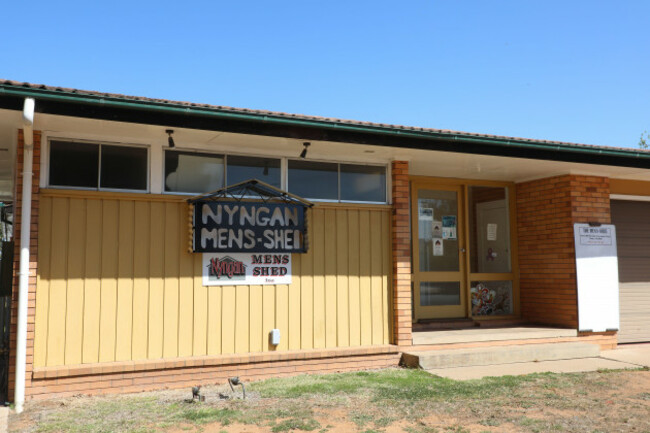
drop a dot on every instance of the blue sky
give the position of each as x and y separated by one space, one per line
562 70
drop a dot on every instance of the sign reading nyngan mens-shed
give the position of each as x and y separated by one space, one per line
250 217
249 227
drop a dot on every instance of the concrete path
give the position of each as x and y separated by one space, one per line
638 354
4 413
519 368
625 356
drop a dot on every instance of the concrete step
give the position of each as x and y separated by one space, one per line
449 358
492 334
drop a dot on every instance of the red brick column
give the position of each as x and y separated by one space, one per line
401 244
31 306
546 211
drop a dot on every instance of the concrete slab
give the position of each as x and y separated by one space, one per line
638 354
495 355
489 334
521 368
4 415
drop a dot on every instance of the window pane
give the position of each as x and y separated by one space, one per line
241 168
438 231
316 180
193 172
124 167
489 222
363 183
434 294
491 298
74 164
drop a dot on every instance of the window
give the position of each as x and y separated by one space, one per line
316 180
337 182
197 173
193 172
241 168
95 166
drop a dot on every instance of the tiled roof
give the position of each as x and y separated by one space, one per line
290 116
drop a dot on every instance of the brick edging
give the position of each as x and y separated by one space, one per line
206 361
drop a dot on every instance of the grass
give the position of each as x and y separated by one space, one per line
372 401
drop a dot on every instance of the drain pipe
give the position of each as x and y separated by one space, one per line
23 274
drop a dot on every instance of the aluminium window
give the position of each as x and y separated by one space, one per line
337 181
98 166
200 172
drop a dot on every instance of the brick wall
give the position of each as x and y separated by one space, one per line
546 211
31 307
136 376
401 244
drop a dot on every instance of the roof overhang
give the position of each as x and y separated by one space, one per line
212 118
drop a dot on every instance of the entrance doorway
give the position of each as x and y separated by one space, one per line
463 255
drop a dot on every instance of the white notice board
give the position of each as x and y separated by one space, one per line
597 277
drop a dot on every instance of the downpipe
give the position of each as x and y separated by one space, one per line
23 273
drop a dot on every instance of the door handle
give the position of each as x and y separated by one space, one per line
462 250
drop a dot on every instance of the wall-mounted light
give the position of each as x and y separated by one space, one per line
170 140
303 154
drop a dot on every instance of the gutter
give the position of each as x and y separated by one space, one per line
184 110
23 273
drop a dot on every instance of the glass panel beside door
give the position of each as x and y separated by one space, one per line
439 271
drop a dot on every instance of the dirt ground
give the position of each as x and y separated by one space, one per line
390 401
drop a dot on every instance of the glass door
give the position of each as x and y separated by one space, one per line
438 251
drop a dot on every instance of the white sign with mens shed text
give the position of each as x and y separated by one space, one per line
232 269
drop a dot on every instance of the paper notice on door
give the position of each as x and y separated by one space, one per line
491 232
449 227
436 229
438 249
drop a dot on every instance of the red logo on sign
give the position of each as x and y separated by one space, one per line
226 266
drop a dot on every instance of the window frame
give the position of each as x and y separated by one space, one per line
99 143
338 171
225 164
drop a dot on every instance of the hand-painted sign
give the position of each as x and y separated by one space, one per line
245 268
253 227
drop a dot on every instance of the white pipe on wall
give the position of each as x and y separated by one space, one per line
23 273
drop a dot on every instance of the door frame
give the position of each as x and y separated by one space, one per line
463 204
445 311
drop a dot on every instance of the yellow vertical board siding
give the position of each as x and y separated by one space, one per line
170 281
331 318
207 310
282 315
256 330
58 275
375 279
294 304
116 282
342 293
268 314
92 280
228 306
124 332
186 290
317 244
242 319
386 269
141 235
42 282
108 293
306 295
353 277
75 291
365 298
156 279
214 297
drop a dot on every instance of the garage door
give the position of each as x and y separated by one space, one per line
632 220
